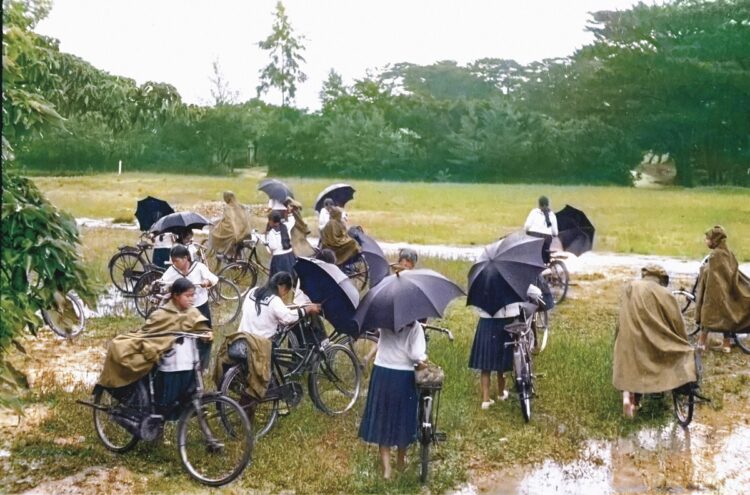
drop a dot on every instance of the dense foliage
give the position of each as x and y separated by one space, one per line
668 79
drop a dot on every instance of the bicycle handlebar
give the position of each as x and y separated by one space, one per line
442 330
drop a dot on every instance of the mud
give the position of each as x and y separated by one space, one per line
94 480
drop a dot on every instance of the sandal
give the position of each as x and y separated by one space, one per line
504 396
486 405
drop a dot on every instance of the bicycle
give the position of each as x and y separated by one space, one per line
214 435
243 267
333 374
557 276
523 341
224 298
129 264
69 319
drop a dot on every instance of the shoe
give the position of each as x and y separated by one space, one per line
486 405
721 348
504 396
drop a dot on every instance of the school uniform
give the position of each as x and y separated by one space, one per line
488 352
390 417
174 380
273 313
536 225
162 246
280 244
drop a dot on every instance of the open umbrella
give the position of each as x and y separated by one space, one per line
339 193
149 210
405 297
182 220
325 284
575 230
377 263
275 189
503 272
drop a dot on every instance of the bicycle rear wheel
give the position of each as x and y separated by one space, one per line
233 386
144 293
224 301
215 440
244 275
522 372
69 320
540 327
119 410
558 280
743 341
334 382
684 405
125 268
364 348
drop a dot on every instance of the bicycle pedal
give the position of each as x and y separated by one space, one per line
440 436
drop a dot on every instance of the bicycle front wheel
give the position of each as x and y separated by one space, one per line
334 382
244 275
364 348
684 405
687 308
69 320
125 268
424 453
558 280
144 293
215 440
263 418
224 301
743 341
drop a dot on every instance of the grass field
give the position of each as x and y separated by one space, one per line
628 220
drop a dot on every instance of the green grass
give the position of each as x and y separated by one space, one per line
628 220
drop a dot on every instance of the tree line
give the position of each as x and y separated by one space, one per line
671 78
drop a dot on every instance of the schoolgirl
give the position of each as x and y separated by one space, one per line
280 243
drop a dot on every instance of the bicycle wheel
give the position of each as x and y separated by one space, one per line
244 275
364 348
687 308
684 404
522 372
69 320
334 382
540 327
144 293
266 412
743 341
125 268
424 452
224 301
357 271
215 440
109 422
558 280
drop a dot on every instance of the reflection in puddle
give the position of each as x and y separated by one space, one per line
112 303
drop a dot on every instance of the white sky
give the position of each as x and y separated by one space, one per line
175 41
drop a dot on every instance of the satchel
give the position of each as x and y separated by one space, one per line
431 375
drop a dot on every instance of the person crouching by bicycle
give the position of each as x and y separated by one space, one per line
542 222
202 279
131 356
390 417
722 298
652 353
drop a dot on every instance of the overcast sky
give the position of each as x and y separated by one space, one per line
175 41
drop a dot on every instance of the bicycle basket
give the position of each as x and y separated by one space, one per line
431 376
516 328
237 350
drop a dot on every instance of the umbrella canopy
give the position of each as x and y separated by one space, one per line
275 189
182 220
402 298
325 284
575 230
151 209
504 271
339 193
377 263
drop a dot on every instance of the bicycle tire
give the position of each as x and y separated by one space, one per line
143 293
364 348
522 372
224 302
424 453
687 309
541 321
68 325
335 380
113 435
266 413
243 274
358 271
684 405
743 341
558 280
220 462
125 268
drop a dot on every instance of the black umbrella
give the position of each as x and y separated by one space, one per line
405 297
504 271
339 193
151 209
182 220
377 263
325 284
575 230
275 189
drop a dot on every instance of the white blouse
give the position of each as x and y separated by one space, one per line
273 313
273 238
197 273
535 222
403 349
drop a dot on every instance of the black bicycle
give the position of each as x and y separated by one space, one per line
333 376
243 266
214 435
557 277
129 264
67 319
522 333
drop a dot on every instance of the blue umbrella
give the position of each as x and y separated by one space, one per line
149 210
275 189
339 193
180 221
377 263
325 284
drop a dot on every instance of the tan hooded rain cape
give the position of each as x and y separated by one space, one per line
334 237
232 228
652 353
300 245
258 363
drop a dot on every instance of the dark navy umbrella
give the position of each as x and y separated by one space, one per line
325 284
151 209
180 221
339 193
575 230
402 298
377 263
504 271
275 189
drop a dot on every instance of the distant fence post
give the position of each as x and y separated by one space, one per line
119 167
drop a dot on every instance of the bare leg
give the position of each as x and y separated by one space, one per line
702 339
500 384
727 343
485 382
628 404
385 459
401 458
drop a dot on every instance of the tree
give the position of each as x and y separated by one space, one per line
220 90
285 49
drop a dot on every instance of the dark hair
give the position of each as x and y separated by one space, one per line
326 255
180 286
274 216
328 202
543 202
272 288
408 254
179 251
544 205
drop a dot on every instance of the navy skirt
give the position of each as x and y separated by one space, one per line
488 353
390 417
171 389
283 263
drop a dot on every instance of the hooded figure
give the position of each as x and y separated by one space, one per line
232 228
652 353
300 231
722 302
334 237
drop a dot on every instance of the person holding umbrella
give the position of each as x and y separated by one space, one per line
542 222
